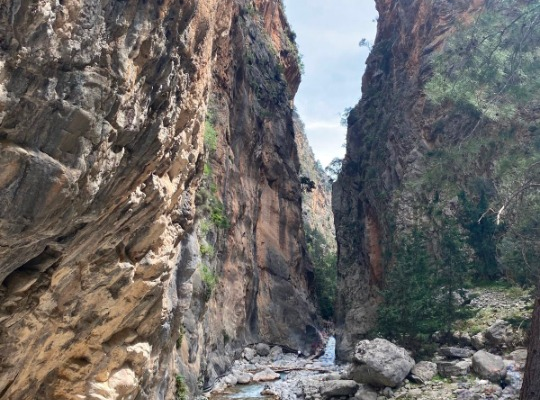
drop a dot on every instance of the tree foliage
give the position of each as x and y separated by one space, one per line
491 66
325 270
420 288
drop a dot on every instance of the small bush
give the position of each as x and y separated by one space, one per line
210 137
182 392
205 226
207 250
210 280
217 214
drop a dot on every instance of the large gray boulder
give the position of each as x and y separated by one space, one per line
380 363
423 372
488 366
339 388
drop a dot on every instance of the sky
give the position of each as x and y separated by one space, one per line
328 33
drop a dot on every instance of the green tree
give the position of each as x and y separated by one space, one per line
419 290
491 66
481 234
325 271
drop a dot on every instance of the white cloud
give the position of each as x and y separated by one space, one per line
328 33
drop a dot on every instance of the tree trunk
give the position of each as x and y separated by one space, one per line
531 383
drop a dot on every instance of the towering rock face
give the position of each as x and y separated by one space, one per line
390 133
102 109
249 222
317 201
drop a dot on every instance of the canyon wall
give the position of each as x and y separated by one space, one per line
409 161
254 280
102 118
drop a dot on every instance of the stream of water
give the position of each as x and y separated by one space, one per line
253 391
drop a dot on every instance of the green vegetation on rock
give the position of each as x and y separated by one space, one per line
209 279
182 391
492 65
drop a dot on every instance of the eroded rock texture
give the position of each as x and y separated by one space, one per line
263 291
390 132
102 107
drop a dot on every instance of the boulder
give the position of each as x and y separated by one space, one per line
488 366
380 363
262 349
276 353
333 376
447 369
423 372
478 341
243 378
365 393
456 352
230 380
339 388
499 333
519 356
249 353
265 376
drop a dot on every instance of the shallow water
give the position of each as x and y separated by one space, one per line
253 391
242 392
329 356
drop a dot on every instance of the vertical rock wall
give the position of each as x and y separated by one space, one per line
390 131
258 256
102 108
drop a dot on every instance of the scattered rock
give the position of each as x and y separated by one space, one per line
478 341
388 393
249 353
519 356
334 376
380 363
365 393
424 371
276 353
448 369
265 376
339 388
499 333
456 352
230 380
262 349
488 366
243 378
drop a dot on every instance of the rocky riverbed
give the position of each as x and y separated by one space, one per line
484 360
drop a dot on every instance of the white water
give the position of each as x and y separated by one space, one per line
329 356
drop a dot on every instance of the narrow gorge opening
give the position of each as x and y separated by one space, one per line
166 228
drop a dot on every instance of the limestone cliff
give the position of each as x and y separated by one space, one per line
102 109
253 281
317 201
410 161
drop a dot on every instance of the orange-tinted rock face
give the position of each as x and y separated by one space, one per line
102 108
263 291
389 131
